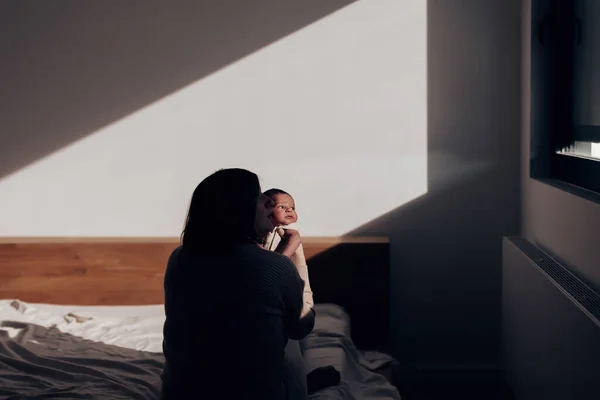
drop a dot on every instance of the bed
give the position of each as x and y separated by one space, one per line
82 318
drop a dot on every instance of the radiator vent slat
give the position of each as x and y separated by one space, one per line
581 293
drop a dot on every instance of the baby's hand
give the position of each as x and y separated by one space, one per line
289 242
287 234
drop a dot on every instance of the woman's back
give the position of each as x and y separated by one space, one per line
229 315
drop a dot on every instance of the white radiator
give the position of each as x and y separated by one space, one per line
551 327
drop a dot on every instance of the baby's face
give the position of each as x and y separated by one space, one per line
284 211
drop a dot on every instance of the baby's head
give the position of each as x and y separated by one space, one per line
284 209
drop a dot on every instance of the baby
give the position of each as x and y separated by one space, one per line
285 217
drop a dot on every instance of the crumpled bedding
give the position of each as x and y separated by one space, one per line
45 363
330 344
52 353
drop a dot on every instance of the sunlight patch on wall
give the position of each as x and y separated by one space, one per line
334 113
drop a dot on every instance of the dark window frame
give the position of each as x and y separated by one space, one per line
578 171
556 31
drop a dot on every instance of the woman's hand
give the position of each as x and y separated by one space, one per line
290 240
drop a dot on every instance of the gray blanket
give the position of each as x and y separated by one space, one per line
46 363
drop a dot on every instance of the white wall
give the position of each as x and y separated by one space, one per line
566 225
335 113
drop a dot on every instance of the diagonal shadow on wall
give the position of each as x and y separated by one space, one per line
446 245
69 67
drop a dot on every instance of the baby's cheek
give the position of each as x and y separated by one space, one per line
280 216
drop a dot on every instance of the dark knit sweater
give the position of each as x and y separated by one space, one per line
229 316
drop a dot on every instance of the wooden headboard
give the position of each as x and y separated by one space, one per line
350 271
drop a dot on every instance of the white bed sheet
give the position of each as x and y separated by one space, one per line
104 311
132 327
117 350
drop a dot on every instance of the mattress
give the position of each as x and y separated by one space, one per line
99 352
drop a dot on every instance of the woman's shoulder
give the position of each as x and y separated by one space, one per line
272 262
274 268
174 256
176 251
260 253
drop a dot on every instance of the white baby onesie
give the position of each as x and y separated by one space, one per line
271 243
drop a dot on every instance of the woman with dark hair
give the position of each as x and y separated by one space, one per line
230 305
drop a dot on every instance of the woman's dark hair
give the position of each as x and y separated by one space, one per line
222 212
272 192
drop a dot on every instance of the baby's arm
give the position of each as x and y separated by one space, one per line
300 261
